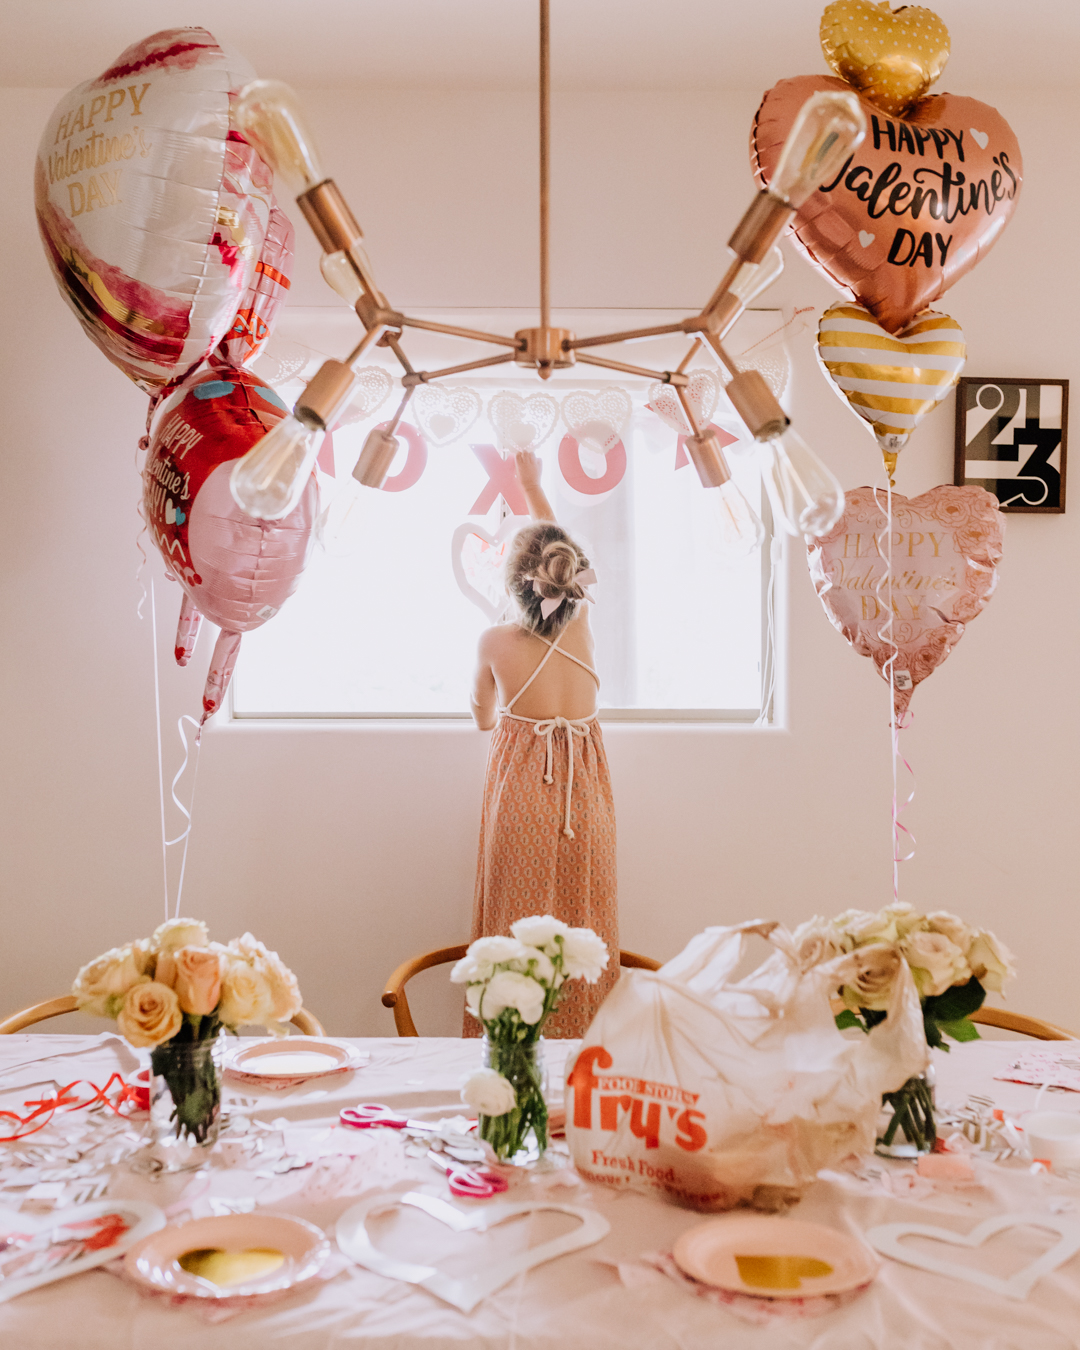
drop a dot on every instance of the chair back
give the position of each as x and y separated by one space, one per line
306 1023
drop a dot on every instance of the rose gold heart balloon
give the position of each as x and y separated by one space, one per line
945 547
913 208
891 58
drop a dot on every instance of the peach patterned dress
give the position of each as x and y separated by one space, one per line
547 841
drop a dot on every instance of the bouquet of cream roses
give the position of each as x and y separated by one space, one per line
512 985
180 989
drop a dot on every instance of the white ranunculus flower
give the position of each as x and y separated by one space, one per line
991 961
175 933
509 989
888 925
473 995
584 955
538 964
540 930
488 1093
956 930
483 956
936 963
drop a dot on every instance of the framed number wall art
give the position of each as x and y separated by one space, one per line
1010 439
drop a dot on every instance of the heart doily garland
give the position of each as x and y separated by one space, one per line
466 1292
887 1239
702 393
522 423
477 558
597 421
372 389
444 413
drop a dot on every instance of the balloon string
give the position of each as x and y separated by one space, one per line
185 834
768 676
160 762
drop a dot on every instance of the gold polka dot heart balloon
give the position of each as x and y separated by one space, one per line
891 57
892 380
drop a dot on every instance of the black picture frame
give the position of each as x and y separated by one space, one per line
1027 431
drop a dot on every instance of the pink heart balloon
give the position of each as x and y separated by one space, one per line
914 207
945 547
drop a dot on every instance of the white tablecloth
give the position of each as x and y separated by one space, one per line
578 1300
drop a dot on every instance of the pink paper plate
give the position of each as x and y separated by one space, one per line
294 1058
155 1261
772 1257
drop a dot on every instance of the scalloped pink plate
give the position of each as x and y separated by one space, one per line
303 1248
296 1058
771 1257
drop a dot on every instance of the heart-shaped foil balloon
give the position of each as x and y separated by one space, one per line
892 381
444 413
597 421
946 545
912 209
891 58
522 423
702 393
370 392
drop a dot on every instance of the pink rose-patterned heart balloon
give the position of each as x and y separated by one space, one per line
945 548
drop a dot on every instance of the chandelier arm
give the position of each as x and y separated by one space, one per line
664 376
425 376
392 425
680 369
630 335
695 425
718 347
497 339
721 290
390 339
545 160
370 339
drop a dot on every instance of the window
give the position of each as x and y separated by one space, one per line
387 615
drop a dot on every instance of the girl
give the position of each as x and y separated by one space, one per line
547 834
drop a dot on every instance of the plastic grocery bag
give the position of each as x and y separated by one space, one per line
721 1093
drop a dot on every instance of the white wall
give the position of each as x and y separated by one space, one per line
351 847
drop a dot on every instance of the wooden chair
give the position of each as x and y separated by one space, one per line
307 1024
394 994
1007 1021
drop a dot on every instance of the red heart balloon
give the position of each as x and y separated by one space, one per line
914 208
946 545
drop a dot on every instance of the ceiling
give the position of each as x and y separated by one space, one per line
491 44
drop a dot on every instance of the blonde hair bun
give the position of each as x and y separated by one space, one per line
542 565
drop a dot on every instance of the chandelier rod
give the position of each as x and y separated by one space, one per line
545 163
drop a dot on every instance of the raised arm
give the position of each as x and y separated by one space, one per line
528 473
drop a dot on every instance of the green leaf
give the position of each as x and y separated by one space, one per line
955 1003
961 1030
847 1019
933 1033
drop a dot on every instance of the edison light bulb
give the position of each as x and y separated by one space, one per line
340 275
268 114
739 529
752 278
806 496
829 126
269 480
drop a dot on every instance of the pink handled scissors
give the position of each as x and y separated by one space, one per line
471 1183
371 1115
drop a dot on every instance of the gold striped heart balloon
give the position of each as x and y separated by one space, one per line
892 380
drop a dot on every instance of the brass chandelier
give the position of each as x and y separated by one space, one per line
806 498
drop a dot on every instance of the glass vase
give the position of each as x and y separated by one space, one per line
185 1103
521 1064
910 1129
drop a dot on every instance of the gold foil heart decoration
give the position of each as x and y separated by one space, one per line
228 1268
890 57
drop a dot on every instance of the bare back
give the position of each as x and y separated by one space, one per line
561 689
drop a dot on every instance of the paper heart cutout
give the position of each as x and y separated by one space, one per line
522 423
891 58
444 413
892 381
597 421
946 545
886 1238
477 558
83 1227
901 167
464 1294
702 393
370 392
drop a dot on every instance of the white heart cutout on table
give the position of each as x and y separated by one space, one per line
981 138
597 421
866 238
69 1228
522 423
444 413
464 1294
370 392
478 566
702 393
886 1238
